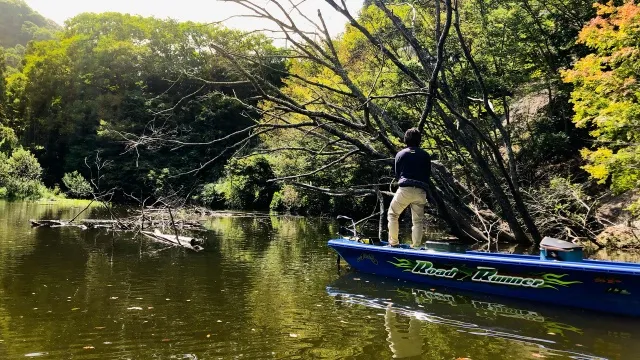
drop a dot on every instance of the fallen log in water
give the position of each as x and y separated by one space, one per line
123 224
174 240
83 224
55 223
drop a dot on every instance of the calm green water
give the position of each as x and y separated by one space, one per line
266 288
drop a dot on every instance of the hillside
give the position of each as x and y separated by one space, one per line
19 24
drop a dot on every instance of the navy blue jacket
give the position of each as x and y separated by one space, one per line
413 168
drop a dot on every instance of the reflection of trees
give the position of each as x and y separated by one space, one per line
263 279
403 343
77 289
240 238
447 342
457 324
15 238
282 300
617 255
31 274
248 238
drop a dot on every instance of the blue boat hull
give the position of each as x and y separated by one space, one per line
594 285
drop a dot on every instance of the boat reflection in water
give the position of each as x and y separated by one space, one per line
559 331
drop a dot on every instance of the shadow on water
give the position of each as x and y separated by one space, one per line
544 331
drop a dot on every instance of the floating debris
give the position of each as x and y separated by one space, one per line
121 224
36 354
154 218
175 240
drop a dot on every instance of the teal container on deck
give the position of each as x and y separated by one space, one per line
559 250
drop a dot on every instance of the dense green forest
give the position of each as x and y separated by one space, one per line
529 107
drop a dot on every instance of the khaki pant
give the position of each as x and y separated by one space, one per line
404 197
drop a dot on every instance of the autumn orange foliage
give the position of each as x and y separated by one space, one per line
606 96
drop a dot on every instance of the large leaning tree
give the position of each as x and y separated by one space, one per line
345 102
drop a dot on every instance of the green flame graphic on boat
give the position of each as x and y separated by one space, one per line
555 279
403 263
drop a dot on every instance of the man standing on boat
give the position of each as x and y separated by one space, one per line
412 170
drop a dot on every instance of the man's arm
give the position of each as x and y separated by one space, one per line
397 167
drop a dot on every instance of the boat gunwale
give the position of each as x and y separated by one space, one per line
534 257
590 265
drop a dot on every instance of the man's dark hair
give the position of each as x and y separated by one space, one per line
412 137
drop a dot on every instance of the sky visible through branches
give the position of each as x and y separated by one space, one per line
189 10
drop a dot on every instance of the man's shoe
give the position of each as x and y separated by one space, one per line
393 246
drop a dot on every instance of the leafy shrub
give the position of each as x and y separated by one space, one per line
24 166
158 181
565 210
634 209
27 190
76 184
20 176
4 169
287 199
52 194
245 184
208 194
8 139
